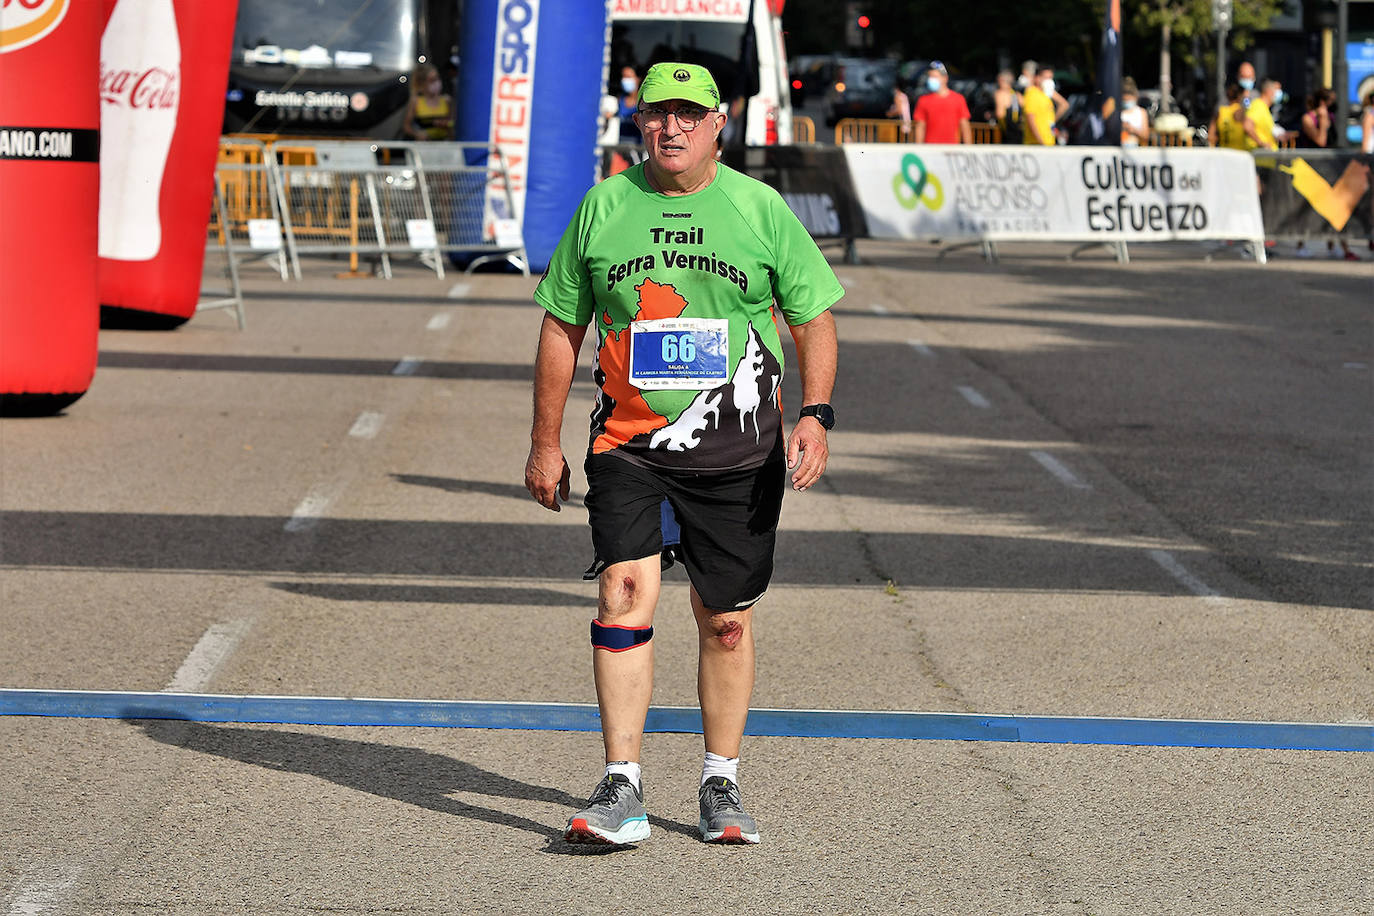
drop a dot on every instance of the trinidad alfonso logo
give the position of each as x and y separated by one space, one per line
914 186
24 22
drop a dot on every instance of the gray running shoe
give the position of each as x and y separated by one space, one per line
722 816
614 815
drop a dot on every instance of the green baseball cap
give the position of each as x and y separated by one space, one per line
690 82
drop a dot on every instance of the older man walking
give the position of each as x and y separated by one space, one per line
680 263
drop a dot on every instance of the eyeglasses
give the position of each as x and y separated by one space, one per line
687 118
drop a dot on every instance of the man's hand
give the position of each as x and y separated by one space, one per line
547 476
807 452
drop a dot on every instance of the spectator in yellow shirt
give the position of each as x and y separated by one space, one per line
1040 108
1225 130
1258 120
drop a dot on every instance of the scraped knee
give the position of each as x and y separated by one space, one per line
618 594
726 631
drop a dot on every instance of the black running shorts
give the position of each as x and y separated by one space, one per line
729 523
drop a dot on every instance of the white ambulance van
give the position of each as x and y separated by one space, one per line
712 33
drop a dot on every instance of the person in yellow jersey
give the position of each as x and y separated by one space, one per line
1257 118
1040 108
431 112
1225 130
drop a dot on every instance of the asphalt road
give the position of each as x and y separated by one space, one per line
1079 489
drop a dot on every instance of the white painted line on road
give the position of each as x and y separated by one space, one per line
368 424
1181 573
439 322
922 349
1061 473
1355 366
408 365
36 896
209 653
878 308
459 290
974 397
308 513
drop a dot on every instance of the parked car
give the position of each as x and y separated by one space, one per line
862 88
811 75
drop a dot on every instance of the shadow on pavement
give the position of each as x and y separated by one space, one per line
405 774
455 485
373 298
1235 399
517 552
435 594
311 365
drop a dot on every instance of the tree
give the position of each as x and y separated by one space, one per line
1182 19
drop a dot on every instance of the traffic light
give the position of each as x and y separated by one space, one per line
1221 15
864 22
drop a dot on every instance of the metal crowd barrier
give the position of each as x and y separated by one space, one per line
1170 138
252 217
233 297
885 130
365 198
869 130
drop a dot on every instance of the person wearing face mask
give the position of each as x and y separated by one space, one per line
1135 121
430 113
1245 77
1043 105
941 115
629 95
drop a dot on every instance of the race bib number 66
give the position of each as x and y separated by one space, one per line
679 353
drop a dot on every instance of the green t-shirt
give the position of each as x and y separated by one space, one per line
694 383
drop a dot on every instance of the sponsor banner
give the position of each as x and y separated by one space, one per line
1316 194
1082 194
815 182
512 100
50 144
728 10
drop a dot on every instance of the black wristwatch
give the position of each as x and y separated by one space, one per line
824 414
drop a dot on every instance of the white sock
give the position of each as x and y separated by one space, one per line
716 765
627 768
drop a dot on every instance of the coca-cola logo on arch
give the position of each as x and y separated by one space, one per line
153 87
25 22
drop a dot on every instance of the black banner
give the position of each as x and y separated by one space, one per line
50 144
814 180
1307 193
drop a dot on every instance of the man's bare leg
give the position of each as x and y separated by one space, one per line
725 674
625 680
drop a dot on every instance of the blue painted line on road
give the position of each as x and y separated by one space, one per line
786 723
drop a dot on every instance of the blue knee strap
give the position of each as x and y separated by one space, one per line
618 639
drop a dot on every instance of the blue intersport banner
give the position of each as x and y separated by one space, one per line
533 76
